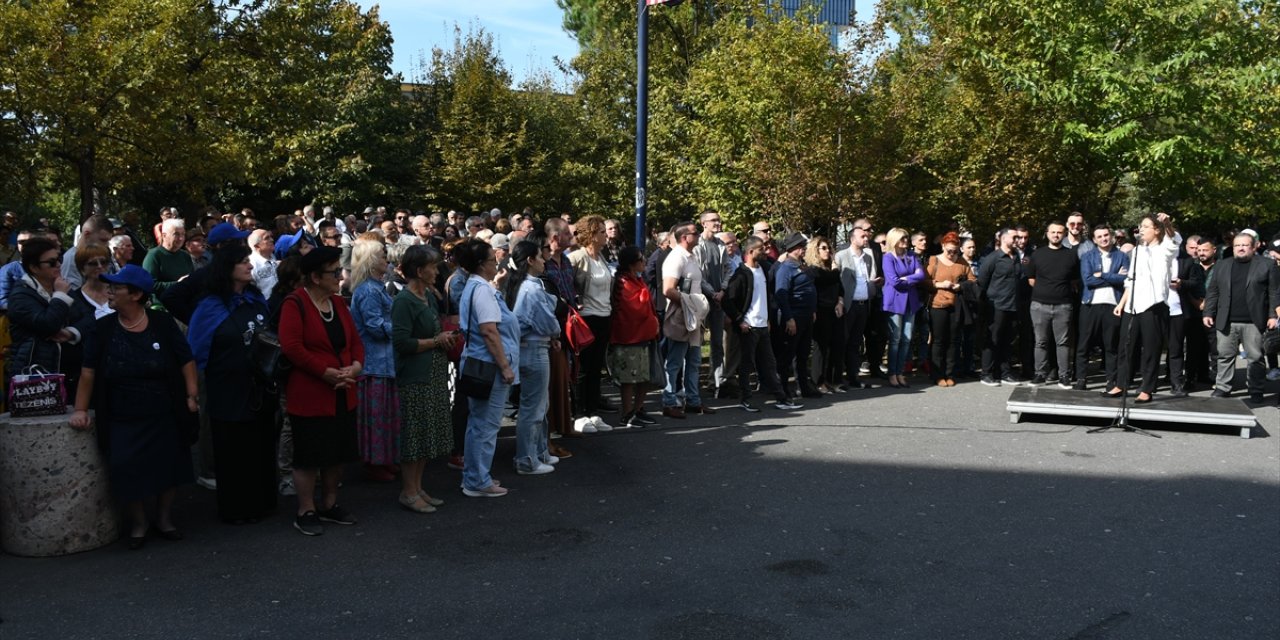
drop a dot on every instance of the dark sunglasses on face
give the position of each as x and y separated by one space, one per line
98 262
52 262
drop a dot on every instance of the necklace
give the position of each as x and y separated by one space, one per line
130 327
327 317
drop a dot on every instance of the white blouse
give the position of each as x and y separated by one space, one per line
1151 267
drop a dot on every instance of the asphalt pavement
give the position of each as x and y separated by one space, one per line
881 513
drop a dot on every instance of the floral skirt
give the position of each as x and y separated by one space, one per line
629 363
428 426
378 420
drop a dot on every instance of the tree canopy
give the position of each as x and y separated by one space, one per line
930 112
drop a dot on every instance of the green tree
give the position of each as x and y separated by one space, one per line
108 93
767 110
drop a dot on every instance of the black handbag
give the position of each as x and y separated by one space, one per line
269 364
477 378
1271 341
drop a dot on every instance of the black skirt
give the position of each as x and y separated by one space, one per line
325 441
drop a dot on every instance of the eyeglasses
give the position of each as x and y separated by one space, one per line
52 262
337 273
98 262
764 230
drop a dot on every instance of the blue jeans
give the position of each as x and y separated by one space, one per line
900 326
689 357
535 378
482 435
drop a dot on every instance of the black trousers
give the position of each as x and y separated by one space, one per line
995 351
877 333
1198 359
245 463
828 336
793 353
1175 361
1098 326
855 328
1146 331
944 325
755 355
593 363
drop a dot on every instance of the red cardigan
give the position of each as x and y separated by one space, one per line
633 319
304 341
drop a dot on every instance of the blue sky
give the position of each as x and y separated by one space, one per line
527 32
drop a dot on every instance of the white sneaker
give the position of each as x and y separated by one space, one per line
536 471
584 425
208 483
286 487
599 424
551 459
1273 375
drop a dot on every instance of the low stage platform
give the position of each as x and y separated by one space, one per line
1228 412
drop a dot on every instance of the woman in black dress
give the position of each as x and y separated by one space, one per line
140 377
240 407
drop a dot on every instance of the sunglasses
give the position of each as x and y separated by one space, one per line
52 262
765 230
99 262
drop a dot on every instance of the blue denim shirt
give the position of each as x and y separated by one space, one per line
795 290
508 326
536 310
10 274
371 312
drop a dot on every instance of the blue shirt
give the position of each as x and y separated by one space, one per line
371 312
10 274
796 293
479 303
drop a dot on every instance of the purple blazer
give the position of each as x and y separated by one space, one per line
901 277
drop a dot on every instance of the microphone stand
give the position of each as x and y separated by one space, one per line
1122 418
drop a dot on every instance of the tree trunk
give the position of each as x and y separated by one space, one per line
90 197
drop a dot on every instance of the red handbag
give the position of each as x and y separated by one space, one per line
455 352
576 332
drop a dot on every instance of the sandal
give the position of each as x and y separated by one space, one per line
435 502
416 504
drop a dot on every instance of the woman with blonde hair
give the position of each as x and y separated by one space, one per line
378 409
827 334
902 276
594 280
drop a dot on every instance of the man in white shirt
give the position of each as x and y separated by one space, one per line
748 309
858 277
681 273
1102 272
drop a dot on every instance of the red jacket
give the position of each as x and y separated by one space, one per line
633 320
304 341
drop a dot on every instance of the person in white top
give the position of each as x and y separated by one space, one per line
263 261
682 274
594 281
858 277
1144 308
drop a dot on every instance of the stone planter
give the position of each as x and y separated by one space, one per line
54 497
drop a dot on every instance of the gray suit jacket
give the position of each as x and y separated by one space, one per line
1262 292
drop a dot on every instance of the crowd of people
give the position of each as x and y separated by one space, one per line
405 339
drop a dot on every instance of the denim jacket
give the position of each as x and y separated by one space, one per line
536 310
371 312
1091 263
